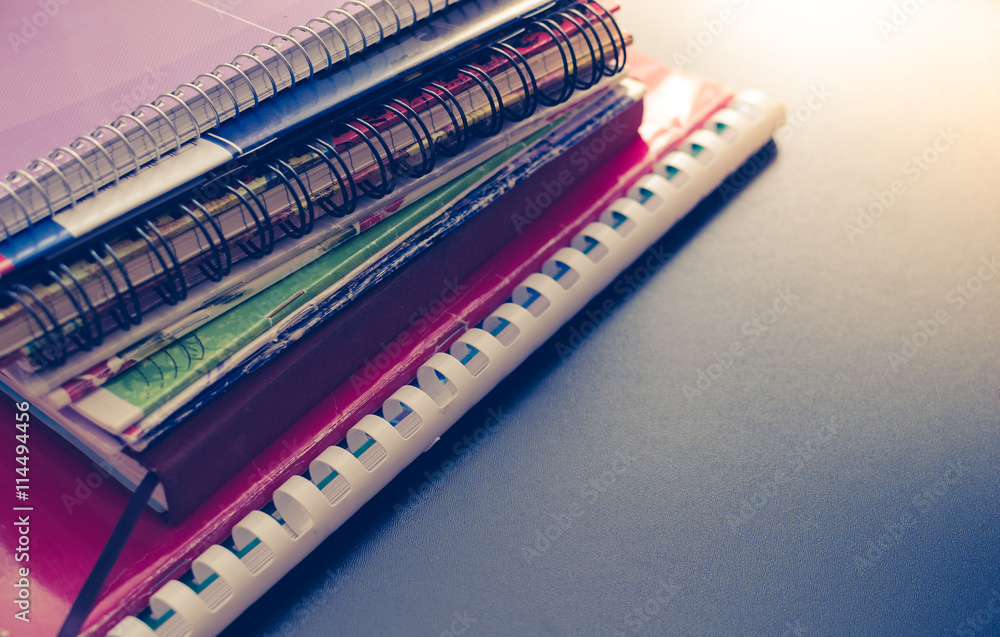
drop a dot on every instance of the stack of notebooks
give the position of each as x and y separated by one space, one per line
275 286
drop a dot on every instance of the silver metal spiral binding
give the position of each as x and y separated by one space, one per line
253 91
180 88
232 95
413 10
364 37
83 165
194 120
399 24
20 204
145 129
301 48
322 43
128 144
104 151
259 63
284 60
381 30
59 173
338 32
38 187
173 129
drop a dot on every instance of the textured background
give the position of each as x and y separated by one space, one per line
833 478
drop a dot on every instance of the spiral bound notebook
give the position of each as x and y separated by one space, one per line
178 136
114 283
306 509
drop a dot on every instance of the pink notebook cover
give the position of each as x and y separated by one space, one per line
72 65
75 506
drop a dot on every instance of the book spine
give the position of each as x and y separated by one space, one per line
175 121
307 509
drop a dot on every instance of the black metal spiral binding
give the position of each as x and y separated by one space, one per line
462 132
528 81
52 350
388 180
426 164
569 70
320 147
91 331
120 314
596 63
262 221
491 126
218 267
174 286
605 17
306 213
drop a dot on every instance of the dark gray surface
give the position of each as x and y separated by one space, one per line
749 508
